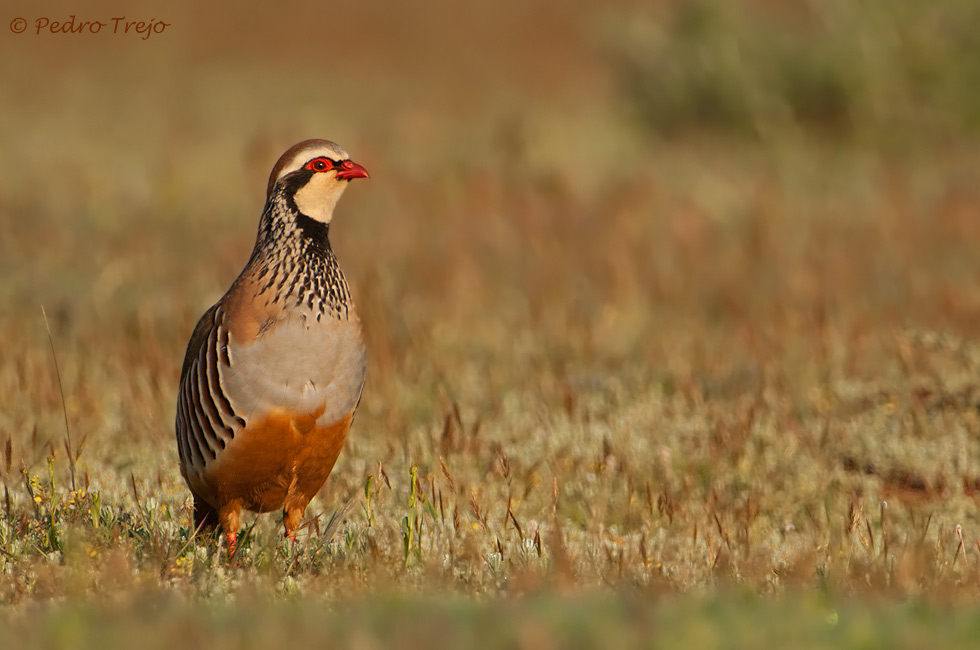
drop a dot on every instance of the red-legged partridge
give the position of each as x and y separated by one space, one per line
273 371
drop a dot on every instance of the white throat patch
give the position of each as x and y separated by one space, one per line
319 196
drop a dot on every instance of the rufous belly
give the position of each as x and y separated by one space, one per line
278 461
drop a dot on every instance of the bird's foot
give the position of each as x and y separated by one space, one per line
232 539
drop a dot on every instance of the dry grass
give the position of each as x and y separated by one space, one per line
599 365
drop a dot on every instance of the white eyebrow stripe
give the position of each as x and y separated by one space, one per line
301 153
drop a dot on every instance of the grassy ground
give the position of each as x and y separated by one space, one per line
644 364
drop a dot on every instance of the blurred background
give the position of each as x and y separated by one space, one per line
576 210
577 190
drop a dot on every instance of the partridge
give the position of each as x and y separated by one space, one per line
274 370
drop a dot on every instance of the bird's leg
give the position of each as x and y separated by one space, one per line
228 514
292 517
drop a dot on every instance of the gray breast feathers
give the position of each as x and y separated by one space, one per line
300 365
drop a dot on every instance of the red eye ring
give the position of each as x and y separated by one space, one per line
320 164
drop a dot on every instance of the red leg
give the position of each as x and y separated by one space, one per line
292 518
228 515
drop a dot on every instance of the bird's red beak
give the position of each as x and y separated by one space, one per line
350 170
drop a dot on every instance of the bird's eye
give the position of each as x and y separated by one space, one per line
319 164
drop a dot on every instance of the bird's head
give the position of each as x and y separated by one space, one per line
314 173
